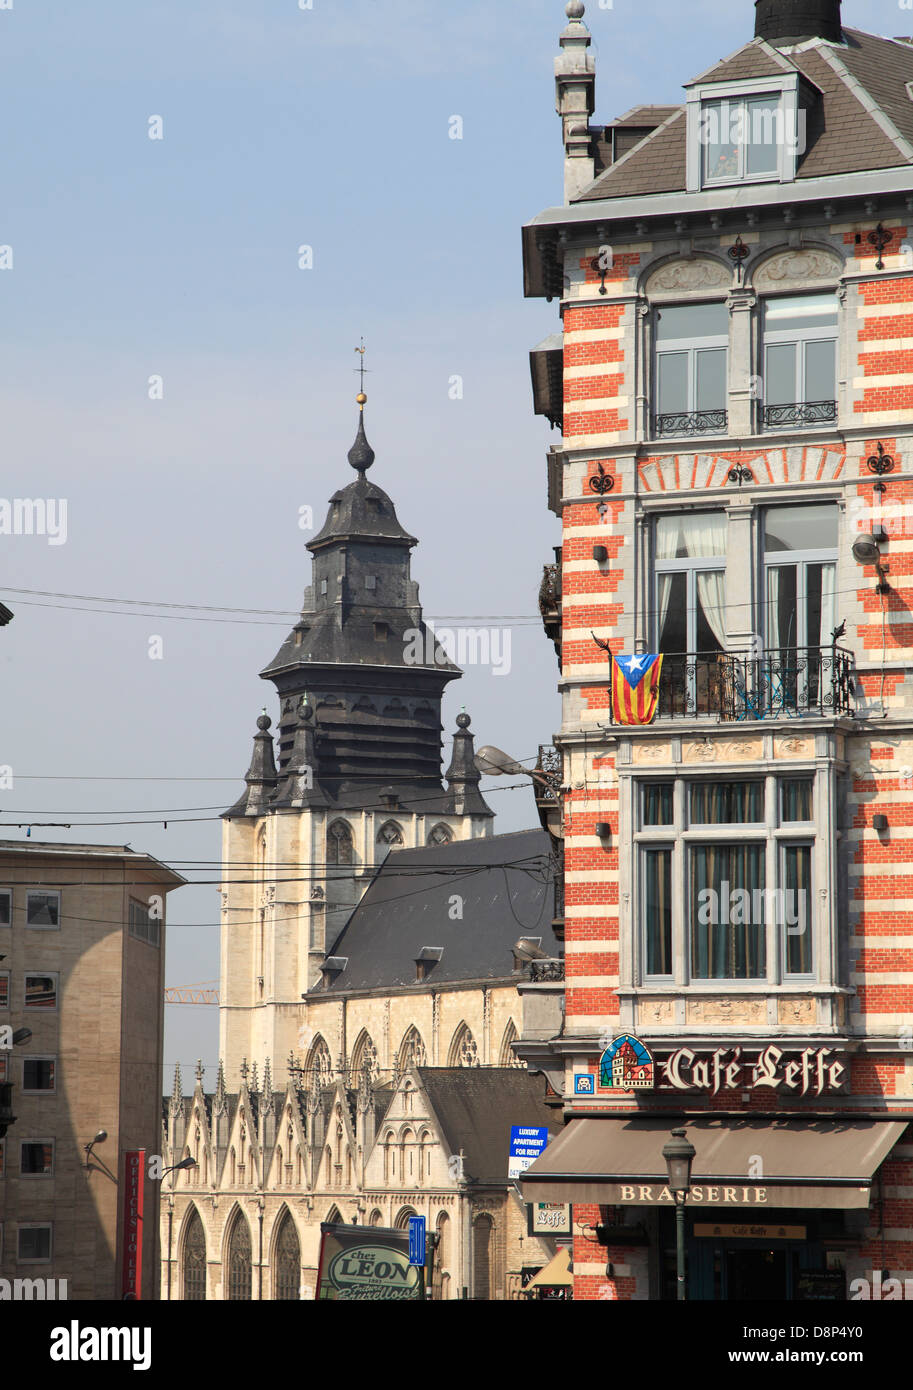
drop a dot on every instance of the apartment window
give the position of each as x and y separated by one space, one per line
36 1158
692 342
42 909
6 907
800 563
39 1073
143 925
4 989
41 991
800 360
689 564
35 1243
724 879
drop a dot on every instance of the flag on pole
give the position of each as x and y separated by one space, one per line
635 687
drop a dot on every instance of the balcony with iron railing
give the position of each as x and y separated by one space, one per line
550 602
785 683
798 415
680 423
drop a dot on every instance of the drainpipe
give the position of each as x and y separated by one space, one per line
260 1205
170 1225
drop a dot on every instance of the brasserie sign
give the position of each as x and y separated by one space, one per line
628 1065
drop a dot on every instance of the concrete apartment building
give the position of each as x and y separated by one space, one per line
734 385
82 941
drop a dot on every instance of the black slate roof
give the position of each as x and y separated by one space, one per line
506 887
476 1108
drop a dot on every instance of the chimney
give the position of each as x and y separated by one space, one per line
783 22
575 91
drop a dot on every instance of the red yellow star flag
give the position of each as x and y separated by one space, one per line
635 687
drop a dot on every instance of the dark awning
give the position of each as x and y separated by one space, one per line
739 1163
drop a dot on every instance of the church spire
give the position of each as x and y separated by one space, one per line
462 776
261 777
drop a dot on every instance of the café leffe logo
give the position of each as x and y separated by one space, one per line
627 1065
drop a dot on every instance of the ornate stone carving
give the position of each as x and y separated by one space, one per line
738 1011
543 971
689 275
731 750
790 266
656 1010
794 746
651 752
793 1011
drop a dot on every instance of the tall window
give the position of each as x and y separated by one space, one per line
690 388
464 1050
287 1261
411 1051
800 562
239 1260
340 844
193 1260
800 360
689 564
482 1232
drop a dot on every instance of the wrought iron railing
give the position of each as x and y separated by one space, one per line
786 682
550 604
690 422
800 413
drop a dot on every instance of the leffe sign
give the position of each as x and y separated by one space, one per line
812 1071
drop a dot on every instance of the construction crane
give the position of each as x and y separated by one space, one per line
190 994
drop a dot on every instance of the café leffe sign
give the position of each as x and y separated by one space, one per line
627 1065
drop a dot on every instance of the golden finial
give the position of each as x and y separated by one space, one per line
361 397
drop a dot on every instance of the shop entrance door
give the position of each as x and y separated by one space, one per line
756 1274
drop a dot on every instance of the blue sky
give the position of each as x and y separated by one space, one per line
178 257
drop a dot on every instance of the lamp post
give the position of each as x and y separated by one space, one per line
679 1153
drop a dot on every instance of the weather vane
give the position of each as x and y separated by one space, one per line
361 367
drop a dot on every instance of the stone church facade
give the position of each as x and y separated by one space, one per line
374 935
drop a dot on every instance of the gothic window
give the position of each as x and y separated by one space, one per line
340 844
390 834
334 1216
193 1260
440 835
411 1051
329 1166
376 1218
464 1051
319 1067
279 1167
232 1167
482 1232
407 1156
508 1057
389 1158
239 1260
364 1058
287 1263
424 1166
402 1221
441 1256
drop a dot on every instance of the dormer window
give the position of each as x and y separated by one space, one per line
744 132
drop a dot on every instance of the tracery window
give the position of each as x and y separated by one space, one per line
288 1261
340 843
440 835
411 1051
239 1260
464 1051
193 1260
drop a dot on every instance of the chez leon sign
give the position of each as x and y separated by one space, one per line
627 1065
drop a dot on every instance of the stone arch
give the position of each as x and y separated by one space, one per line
334 1215
192 1258
237 1261
796 268
507 1057
686 275
376 1218
402 1219
411 1051
440 834
318 1065
426 1145
340 843
464 1050
442 1256
285 1258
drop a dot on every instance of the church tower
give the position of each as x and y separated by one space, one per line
360 682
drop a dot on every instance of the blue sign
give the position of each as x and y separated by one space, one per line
584 1084
416 1240
526 1144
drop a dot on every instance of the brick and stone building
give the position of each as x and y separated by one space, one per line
733 382
82 951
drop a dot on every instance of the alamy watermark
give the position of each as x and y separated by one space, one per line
34 516
725 123
467 646
742 907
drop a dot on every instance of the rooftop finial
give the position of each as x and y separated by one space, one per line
575 9
361 455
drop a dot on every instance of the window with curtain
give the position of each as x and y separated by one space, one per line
692 341
657 910
689 557
727 803
800 360
800 610
728 912
657 803
796 799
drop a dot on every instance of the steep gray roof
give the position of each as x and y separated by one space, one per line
476 1108
505 889
859 117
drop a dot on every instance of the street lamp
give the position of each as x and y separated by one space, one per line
679 1153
